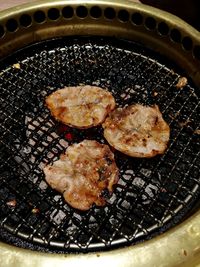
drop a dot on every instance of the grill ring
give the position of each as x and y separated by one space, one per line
138 16
146 12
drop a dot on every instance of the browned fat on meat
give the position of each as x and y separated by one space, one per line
82 173
138 131
80 106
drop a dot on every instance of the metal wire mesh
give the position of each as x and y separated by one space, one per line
150 193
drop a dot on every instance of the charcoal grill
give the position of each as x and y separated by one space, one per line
139 54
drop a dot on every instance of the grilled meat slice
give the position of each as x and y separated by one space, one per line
82 173
138 131
80 106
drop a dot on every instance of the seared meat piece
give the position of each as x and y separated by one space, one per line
80 106
82 173
138 131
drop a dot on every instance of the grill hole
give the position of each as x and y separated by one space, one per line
2 32
163 28
53 14
96 12
81 12
68 12
137 19
123 15
11 25
175 35
150 23
39 16
197 52
109 13
25 20
187 43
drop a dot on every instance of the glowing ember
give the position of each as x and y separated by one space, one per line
69 136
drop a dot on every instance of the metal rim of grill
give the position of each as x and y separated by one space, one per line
152 194
156 29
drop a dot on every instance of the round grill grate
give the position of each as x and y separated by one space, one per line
151 193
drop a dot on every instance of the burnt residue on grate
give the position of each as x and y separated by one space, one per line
152 194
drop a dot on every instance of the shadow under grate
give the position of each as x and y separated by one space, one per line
150 194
